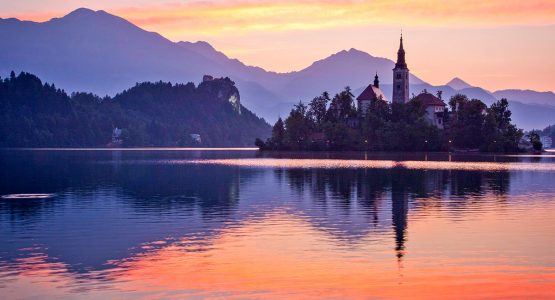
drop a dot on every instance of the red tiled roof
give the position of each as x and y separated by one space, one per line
371 92
428 99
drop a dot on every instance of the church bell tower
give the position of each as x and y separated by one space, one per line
400 77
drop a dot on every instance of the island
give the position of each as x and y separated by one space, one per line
422 122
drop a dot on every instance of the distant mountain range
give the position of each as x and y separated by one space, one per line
98 52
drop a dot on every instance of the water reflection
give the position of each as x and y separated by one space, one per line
144 224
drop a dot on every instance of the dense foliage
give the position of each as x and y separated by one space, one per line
474 125
535 141
33 114
335 124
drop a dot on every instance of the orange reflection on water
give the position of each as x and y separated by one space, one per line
255 260
376 164
283 255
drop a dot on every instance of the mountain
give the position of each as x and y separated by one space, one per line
458 84
101 53
94 51
33 114
532 116
352 68
527 96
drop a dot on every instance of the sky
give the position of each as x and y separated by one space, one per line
495 44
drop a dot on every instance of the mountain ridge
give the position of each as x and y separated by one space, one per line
458 84
95 51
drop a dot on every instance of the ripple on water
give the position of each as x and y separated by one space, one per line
27 196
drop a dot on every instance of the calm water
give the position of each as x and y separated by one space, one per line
212 224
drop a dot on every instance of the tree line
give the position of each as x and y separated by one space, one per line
159 114
335 123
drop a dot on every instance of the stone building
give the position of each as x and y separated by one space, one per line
435 108
370 94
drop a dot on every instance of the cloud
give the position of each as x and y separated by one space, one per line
215 17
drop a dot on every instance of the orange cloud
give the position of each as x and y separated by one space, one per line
216 17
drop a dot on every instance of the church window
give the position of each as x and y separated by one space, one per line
398 86
398 76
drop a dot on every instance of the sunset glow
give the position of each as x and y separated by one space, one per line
482 42
271 264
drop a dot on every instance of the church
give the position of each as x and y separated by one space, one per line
434 106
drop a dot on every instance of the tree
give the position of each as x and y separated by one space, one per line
535 141
260 144
278 134
317 109
439 94
467 121
341 107
297 126
499 135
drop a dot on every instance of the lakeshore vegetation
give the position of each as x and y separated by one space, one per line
334 123
159 114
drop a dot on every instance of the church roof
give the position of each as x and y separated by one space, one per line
428 99
401 63
371 93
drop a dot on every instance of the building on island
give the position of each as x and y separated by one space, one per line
371 94
400 77
435 108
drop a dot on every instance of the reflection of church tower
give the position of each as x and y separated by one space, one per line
401 77
399 211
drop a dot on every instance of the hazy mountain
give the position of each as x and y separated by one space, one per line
458 84
527 96
532 116
94 51
352 68
104 54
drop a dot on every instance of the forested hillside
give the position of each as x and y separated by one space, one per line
33 114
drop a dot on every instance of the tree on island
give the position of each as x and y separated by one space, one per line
336 124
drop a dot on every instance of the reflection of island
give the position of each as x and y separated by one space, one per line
385 196
107 213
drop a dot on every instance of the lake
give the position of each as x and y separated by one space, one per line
185 223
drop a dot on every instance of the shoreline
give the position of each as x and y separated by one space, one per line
546 152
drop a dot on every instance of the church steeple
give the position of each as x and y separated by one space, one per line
376 81
401 63
400 77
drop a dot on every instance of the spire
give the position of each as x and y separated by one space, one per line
376 81
401 64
